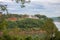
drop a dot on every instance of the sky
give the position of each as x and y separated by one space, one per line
50 8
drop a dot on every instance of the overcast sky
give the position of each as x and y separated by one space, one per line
36 0
50 8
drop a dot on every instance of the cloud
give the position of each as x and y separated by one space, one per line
6 0
54 1
45 7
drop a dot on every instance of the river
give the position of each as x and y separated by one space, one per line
58 25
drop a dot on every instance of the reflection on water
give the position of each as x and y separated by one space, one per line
58 25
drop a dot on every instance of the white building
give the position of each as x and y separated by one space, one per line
33 17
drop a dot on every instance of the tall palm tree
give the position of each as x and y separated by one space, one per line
4 8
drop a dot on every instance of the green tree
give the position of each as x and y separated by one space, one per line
50 27
40 16
3 23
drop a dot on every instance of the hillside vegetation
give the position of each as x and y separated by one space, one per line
27 28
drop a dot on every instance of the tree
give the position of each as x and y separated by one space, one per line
22 2
40 16
50 27
3 24
57 37
4 8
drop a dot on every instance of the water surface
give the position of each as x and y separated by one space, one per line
58 25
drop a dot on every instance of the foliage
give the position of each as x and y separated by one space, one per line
29 23
3 23
22 2
4 8
57 36
40 16
25 24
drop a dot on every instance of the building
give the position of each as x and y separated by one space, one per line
33 17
